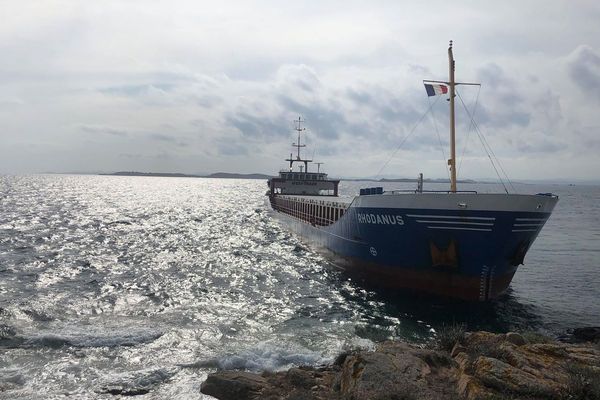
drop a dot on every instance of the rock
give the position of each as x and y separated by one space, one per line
339 360
301 378
504 377
588 334
434 359
463 360
515 338
494 365
482 366
458 348
126 391
234 385
397 371
469 387
298 394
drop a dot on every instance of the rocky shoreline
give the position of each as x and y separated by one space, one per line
473 366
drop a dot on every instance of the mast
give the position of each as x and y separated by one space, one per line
443 90
298 127
452 160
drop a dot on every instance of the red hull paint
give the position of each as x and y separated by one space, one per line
436 281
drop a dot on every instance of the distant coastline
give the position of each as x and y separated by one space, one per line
224 175
228 175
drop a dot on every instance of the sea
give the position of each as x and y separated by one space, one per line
118 285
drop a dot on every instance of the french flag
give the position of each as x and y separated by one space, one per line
434 89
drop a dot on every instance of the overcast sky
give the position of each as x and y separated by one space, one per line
197 87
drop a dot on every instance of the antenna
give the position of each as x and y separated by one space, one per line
298 127
452 160
319 166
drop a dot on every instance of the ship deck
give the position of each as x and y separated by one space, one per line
322 200
316 210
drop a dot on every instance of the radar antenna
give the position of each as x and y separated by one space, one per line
298 127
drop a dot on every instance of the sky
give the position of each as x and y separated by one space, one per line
201 87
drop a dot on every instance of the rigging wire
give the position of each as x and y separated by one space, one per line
483 143
406 137
471 123
439 138
498 161
486 147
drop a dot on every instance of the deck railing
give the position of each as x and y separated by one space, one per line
313 213
428 191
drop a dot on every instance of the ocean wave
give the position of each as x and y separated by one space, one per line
264 356
11 378
9 337
7 332
90 340
136 382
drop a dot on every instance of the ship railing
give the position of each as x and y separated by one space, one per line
302 176
428 191
327 214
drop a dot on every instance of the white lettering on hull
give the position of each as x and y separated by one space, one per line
380 219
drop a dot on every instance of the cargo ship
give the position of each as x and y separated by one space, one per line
457 244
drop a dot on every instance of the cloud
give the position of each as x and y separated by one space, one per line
176 140
503 105
174 86
232 148
217 88
257 125
11 102
137 90
139 136
105 130
536 143
296 77
584 70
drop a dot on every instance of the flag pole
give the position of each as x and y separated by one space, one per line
452 160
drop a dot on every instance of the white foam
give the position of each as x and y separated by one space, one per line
358 343
267 356
84 339
11 377
136 382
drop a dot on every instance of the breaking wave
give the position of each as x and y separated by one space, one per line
90 340
136 382
265 356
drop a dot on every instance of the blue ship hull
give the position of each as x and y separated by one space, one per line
468 249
